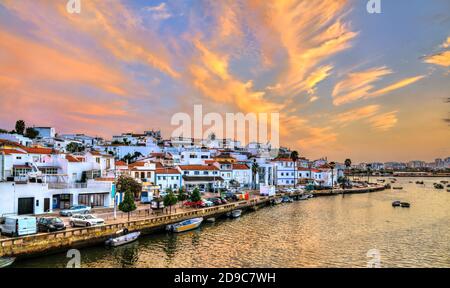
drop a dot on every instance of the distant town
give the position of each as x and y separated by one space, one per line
78 169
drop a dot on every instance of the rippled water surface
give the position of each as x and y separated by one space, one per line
322 232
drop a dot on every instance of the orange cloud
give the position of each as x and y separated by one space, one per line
360 85
384 121
357 114
441 59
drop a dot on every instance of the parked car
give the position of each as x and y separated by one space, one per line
230 196
206 203
18 226
193 204
50 224
85 220
215 201
80 209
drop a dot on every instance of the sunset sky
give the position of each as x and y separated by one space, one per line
346 83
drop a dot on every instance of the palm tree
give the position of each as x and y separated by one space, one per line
348 165
294 157
255 168
368 167
332 165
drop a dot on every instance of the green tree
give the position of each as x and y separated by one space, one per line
128 205
74 147
332 166
170 199
20 127
196 196
255 168
294 157
182 195
3 131
127 184
348 165
31 133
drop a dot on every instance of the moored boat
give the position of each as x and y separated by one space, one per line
444 181
286 199
6 261
397 187
234 214
419 182
125 238
277 201
396 203
185 225
405 204
211 220
438 186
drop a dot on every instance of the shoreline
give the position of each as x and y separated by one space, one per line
56 242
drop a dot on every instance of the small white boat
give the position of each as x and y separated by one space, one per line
211 220
6 261
124 239
277 201
235 213
303 197
185 225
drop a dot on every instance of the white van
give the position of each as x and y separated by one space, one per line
18 226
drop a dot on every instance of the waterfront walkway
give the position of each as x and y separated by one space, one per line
142 220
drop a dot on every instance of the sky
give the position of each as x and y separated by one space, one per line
346 83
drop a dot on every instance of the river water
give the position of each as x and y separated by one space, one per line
332 231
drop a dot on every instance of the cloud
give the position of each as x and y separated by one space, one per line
441 59
397 85
357 114
384 121
159 12
360 85
357 85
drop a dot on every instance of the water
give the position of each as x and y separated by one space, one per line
322 232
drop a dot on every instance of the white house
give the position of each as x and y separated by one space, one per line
205 177
242 174
45 132
168 178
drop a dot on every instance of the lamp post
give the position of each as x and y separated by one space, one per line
332 165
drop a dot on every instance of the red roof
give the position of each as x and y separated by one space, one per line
240 167
72 159
198 167
36 150
121 163
11 151
167 171
282 160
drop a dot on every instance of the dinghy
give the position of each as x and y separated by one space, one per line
185 225
125 238
235 213
6 261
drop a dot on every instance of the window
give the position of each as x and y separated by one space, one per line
196 173
205 172
186 172
97 160
136 174
204 157
149 174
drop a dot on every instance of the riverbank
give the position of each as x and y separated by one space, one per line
35 245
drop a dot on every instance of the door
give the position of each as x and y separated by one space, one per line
46 204
26 206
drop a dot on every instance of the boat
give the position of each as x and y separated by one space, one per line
405 204
397 187
438 186
444 181
211 220
277 201
286 199
6 261
185 225
125 238
419 182
304 197
234 214
396 203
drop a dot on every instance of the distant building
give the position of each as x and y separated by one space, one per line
45 132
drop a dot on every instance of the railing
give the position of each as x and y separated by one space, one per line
106 186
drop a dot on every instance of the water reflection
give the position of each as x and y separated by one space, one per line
323 232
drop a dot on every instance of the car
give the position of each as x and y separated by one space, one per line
18 226
85 220
50 224
230 196
79 209
215 201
